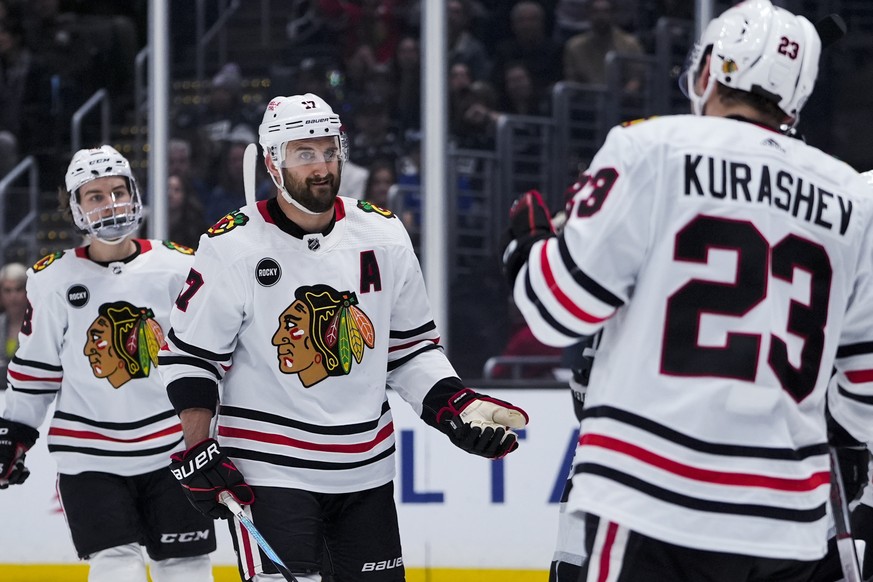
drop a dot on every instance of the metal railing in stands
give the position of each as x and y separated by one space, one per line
218 29
140 104
28 222
100 97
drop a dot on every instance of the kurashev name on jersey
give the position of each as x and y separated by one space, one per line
722 179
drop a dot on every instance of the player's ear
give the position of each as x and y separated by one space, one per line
271 167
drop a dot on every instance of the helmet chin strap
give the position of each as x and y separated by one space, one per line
280 183
112 241
698 102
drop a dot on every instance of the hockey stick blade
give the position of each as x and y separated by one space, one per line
236 509
250 158
845 539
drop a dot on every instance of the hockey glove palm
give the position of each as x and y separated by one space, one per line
15 440
529 222
205 471
481 425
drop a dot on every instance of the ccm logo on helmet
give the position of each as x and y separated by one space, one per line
98 161
197 463
188 536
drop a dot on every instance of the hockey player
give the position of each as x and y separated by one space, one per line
730 268
304 306
90 343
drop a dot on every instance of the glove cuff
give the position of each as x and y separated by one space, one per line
437 397
20 433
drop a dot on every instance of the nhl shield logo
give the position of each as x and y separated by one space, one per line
314 244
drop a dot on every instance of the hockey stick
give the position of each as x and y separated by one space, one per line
250 158
840 508
227 499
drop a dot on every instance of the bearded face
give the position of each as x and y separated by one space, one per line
311 172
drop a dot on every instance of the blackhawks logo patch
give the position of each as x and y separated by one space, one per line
230 221
47 260
178 248
636 121
122 343
322 334
370 207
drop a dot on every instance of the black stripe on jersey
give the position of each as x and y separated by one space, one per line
196 351
285 461
32 391
105 453
855 349
343 429
394 364
543 311
590 285
37 365
406 334
766 511
855 397
189 361
115 425
725 450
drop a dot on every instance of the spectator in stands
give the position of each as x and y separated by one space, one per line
13 300
381 178
374 135
179 164
475 117
407 72
519 95
369 31
585 54
571 18
463 46
530 44
16 84
228 194
185 212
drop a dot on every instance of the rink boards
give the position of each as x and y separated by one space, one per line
461 517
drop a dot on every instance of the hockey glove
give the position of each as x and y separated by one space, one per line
529 222
15 440
481 425
205 471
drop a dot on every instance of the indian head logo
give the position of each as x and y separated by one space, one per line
321 333
230 221
122 342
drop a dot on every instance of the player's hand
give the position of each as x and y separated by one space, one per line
529 222
15 440
481 425
205 471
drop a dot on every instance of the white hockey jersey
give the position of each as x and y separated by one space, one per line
304 331
731 268
90 343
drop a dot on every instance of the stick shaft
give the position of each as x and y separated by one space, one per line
227 499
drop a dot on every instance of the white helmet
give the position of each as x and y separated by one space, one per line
761 49
294 118
88 165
